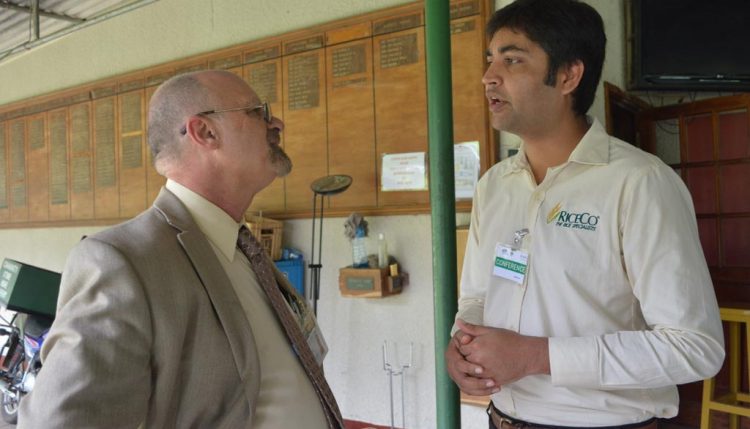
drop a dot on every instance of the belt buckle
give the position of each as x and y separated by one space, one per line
509 423
501 421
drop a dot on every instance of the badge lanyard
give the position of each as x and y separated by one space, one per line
510 261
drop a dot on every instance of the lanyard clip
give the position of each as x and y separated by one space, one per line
518 238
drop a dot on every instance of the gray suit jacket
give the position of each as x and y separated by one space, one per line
148 330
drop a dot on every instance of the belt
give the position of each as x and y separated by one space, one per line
503 421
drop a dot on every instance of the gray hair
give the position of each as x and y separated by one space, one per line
178 97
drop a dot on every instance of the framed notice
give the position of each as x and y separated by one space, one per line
466 164
404 172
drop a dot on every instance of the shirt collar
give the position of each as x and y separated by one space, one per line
220 229
593 148
590 150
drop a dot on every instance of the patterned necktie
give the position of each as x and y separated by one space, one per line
261 265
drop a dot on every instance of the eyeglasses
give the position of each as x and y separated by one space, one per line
267 115
264 106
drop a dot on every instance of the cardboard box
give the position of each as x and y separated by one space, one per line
29 289
370 282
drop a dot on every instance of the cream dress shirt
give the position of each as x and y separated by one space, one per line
616 279
287 398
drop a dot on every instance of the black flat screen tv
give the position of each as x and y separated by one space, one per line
692 45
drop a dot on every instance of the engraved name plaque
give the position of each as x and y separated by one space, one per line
304 82
348 60
262 78
105 143
58 168
398 51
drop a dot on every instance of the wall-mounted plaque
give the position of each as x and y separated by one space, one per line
79 124
132 155
36 133
464 8
391 25
58 163
37 169
308 44
462 27
50 105
399 51
262 78
349 33
400 81
19 194
351 131
264 54
348 60
130 112
304 82
348 92
102 92
81 175
191 68
18 163
131 174
104 135
226 63
306 143
157 78
131 85
75 98
81 148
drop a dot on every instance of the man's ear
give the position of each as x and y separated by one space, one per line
570 76
201 131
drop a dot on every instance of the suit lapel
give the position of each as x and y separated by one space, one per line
217 285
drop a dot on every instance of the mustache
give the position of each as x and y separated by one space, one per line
280 160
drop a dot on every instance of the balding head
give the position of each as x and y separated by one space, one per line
174 101
210 132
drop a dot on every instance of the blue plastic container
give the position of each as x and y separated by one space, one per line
294 270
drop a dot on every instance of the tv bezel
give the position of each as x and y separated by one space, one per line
674 82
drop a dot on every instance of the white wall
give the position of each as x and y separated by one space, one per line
44 247
355 328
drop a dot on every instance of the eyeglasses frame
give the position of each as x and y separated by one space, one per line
267 115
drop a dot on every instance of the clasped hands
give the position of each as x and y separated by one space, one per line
481 359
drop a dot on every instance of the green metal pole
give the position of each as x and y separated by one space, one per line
442 201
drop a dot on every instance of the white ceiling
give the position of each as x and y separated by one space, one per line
56 18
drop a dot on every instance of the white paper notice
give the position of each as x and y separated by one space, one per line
404 172
466 164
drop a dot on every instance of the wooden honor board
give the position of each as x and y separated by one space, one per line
348 92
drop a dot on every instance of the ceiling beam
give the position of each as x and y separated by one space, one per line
47 14
35 18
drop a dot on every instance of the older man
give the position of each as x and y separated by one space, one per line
176 319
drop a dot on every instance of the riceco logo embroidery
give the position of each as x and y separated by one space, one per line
565 219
